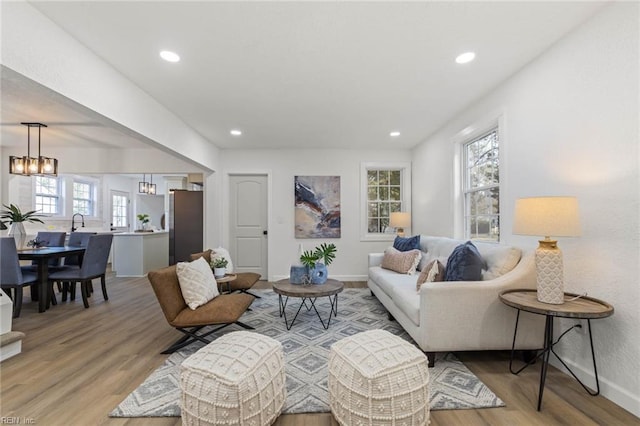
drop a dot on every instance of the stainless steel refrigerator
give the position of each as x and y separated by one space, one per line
186 225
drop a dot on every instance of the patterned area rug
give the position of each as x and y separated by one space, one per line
306 347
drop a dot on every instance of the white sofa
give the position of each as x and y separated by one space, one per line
460 315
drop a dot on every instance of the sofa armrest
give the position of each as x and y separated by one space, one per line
472 306
375 259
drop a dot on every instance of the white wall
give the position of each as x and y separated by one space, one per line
571 128
282 166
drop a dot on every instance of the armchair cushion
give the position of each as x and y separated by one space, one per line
197 283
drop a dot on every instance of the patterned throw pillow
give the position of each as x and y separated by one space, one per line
197 283
404 262
433 272
406 244
465 264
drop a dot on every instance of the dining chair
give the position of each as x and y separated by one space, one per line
76 239
94 265
12 278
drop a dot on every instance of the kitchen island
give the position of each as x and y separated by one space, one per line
136 253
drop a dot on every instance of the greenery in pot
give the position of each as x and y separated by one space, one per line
143 218
324 252
13 214
219 262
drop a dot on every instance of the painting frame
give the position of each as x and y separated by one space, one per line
317 209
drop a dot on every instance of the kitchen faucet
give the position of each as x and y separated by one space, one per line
73 221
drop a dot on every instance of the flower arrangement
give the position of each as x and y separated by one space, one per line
36 243
143 218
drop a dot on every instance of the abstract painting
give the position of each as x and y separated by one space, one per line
317 211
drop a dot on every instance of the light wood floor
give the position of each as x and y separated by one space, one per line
78 364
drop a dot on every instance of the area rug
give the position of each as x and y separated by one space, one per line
306 347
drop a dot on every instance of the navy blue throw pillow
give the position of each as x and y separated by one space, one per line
464 264
406 244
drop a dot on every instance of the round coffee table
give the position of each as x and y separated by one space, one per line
308 293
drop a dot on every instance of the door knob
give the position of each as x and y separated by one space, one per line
265 232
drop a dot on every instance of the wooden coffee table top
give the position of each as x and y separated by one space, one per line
285 288
227 278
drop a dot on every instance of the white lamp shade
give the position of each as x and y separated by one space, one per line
547 216
400 220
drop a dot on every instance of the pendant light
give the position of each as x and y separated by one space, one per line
143 187
28 165
152 186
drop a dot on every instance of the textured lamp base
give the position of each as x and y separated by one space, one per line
549 269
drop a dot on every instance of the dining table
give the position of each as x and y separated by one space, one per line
41 256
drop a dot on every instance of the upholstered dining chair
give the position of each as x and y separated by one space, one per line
244 280
94 265
12 277
76 239
219 312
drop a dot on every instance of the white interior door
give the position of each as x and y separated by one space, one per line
248 223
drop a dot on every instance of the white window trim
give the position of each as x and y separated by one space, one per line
468 134
405 168
60 197
92 190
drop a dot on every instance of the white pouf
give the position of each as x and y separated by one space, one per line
377 378
238 379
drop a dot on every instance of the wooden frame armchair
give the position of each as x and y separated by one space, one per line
222 311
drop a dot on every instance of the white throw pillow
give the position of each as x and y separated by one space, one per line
223 252
197 282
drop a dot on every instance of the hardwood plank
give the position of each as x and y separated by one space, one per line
78 364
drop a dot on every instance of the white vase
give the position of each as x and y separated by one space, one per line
16 230
219 272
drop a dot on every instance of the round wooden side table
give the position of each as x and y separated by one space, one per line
227 279
574 306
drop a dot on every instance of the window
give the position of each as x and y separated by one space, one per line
119 211
481 187
47 195
83 198
385 188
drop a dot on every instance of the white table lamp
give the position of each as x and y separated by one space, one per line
400 220
548 216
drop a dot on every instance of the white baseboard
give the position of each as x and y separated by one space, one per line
12 349
609 390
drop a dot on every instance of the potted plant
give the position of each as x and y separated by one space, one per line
318 260
219 265
144 220
15 218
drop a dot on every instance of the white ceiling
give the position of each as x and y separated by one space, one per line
308 74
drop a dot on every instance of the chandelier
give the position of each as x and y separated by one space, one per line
145 187
28 165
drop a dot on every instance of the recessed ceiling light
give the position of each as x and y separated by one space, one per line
236 132
394 134
169 56
465 57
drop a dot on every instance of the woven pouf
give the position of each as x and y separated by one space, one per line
376 378
238 379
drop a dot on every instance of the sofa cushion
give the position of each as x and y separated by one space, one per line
408 243
197 284
424 259
403 262
386 279
432 272
464 264
405 298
